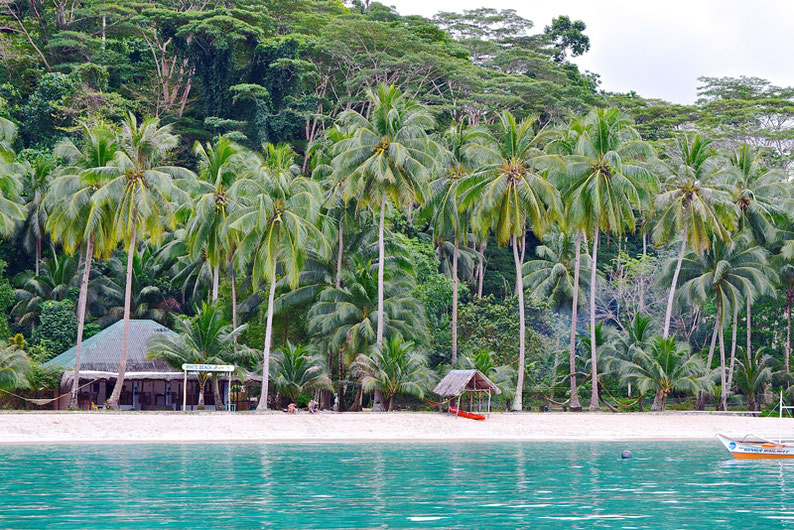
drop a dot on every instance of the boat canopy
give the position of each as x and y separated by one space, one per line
457 382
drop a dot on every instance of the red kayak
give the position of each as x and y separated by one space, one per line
464 414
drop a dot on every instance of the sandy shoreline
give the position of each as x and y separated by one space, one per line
212 427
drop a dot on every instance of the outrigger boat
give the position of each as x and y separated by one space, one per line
749 448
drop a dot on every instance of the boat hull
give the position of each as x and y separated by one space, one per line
464 414
757 450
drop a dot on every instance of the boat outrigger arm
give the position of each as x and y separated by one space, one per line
759 448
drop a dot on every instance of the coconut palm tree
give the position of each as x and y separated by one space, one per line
510 187
37 177
785 270
57 276
216 196
692 204
11 209
387 159
70 209
449 222
203 339
297 370
138 187
725 275
603 187
754 370
664 367
551 275
15 368
278 229
396 367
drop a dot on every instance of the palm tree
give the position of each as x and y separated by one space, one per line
666 366
345 317
69 205
203 339
754 371
757 193
725 275
11 211
510 186
216 191
388 161
297 370
396 367
15 368
785 270
138 188
691 205
57 276
551 275
448 221
603 187
278 228
37 177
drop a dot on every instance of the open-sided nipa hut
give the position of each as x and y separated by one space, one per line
456 382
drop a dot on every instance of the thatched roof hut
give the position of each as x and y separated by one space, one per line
457 382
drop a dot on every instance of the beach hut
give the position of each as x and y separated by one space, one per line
149 384
456 382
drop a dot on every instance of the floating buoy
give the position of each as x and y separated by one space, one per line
626 454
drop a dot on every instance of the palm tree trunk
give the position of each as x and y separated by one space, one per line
391 402
378 404
517 401
669 313
81 303
216 393
38 254
268 339
657 400
575 405
381 258
113 402
749 349
201 383
234 301
723 381
455 303
788 337
339 256
593 354
215 277
481 273
734 333
701 404
523 246
641 285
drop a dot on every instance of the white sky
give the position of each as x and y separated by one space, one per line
660 47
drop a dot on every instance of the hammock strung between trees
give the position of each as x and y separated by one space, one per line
45 401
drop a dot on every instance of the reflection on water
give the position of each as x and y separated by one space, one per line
564 485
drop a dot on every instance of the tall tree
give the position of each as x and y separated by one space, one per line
510 184
139 189
71 221
388 160
604 185
691 205
278 229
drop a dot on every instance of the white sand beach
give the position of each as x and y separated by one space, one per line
109 427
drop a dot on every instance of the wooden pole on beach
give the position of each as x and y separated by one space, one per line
184 394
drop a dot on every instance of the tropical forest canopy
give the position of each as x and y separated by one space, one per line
357 200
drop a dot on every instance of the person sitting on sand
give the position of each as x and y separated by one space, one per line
313 406
292 408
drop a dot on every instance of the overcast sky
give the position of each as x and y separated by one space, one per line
660 47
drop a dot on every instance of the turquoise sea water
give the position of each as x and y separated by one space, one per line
396 485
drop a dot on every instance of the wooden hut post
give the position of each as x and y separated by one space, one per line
489 401
458 407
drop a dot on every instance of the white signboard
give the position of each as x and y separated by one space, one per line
208 367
